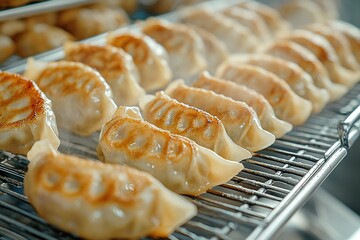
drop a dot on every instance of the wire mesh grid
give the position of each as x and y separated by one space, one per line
236 210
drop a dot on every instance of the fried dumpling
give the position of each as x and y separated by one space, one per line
12 27
305 59
251 20
7 48
287 105
330 8
237 38
25 115
149 57
255 100
325 53
277 25
176 161
114 65
81 99
40 38
340 44
352 34
240 121
101 201
215 50
85 22
184 47
302 12
299 80
196 124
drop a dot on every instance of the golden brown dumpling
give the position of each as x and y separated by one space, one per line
150 58
352 34
100 201
91 20
299 80
184 47
40 38
47 18
114 65
12 27
329 7
296 53
240 121
81 99
302 12
215 49
339 42
325 53
287 105
7 48
255 100
237 38
196 124
250 19
177 162
25 115
277 25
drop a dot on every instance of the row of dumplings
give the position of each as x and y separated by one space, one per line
190 137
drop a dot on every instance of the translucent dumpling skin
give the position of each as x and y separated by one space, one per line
81 99
196 124
177 162
240 121
115 65
25 115
255 100
150 58
100 201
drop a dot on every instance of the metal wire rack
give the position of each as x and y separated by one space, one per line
253 205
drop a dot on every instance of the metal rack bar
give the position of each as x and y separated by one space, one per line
41 7
253 205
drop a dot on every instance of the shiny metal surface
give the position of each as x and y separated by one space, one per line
255 204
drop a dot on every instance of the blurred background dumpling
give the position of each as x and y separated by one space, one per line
92 20
7 47
40 38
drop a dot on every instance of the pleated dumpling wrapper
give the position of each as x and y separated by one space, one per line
100 201
340 44
277 25
240 121
114 65
261 106
352 34
326 54
250 19
237 38
305 59
150 58
184 47
301 12
196 124
215 49
25 115
81 99
299 80
287 105
176 161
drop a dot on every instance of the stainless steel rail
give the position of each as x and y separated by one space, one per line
253 205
